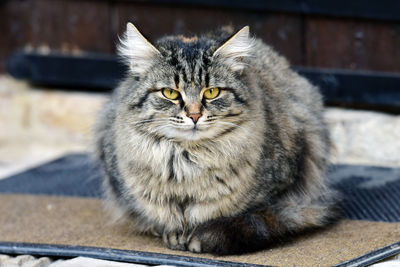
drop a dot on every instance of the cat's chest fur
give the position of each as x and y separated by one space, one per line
173 182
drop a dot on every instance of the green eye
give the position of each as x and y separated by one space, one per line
170 93
211 93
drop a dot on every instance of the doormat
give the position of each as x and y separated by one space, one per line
56 210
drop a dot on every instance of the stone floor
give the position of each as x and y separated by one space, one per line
39 124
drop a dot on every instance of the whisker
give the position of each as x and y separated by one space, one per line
235 125
157 129
148 120
229 115
176 121
156 120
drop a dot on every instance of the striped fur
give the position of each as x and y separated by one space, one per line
250 171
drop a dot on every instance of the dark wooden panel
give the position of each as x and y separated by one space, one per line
371 9
282 31
58 24
72 25
352 44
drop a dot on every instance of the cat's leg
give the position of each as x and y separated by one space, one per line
175 240
230 235
262 228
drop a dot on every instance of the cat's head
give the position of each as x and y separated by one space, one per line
187 88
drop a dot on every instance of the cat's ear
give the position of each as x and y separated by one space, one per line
238 46
136 50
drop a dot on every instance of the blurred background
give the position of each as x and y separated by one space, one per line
58 65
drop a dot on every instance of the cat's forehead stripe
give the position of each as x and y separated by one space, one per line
207 80
201 74
176 79
189 57
184 76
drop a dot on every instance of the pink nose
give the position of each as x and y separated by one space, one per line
194 116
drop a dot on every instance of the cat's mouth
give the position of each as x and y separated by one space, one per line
191 128
195 129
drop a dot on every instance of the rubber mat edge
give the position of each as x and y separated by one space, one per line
69 251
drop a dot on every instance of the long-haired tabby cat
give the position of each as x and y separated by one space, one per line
214 143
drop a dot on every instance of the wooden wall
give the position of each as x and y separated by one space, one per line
73 26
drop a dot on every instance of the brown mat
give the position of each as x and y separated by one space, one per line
81 221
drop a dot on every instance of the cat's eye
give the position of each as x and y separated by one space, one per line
170 93
211 93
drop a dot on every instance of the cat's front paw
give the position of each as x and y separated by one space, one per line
175 240
235 235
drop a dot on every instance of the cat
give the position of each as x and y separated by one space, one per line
214 143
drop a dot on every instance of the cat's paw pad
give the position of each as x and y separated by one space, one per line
194 245
175 240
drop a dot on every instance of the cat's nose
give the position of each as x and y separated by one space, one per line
194 116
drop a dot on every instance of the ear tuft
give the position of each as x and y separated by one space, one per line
136 51
238 46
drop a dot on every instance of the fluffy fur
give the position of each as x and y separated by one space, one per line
249 172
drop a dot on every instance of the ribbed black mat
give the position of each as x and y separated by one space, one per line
72 175
370 193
